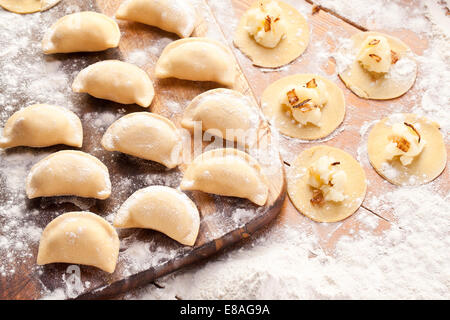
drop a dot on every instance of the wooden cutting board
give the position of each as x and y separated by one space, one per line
224 220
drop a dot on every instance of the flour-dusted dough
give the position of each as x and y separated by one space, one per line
145 135
227 172
117 81
288 49
28 6
42 125
81 238
427 166
81 32
69 173
332 113
177 16
300 192
397 81
197 59
221 111
163 209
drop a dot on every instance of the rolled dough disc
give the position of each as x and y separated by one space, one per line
332 114
427 166
396 82
287 50
301 193
27 6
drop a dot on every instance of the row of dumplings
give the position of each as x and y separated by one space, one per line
196 58
86 238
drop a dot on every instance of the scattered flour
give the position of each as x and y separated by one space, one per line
409 260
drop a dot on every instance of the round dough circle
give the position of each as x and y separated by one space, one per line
395 83
427 166
300 192
27 6
287 50
332 114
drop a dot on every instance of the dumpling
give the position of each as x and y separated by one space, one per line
145 135
406 149
304 106
80 238
28 6
272 33
117 81
326 184
176 16
197 59
42 125
227 172
163 209
376 66
81 32
225 110
69 173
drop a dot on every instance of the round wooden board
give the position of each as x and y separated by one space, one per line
224 220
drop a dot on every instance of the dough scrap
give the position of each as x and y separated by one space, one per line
220 110
163 209
287 50
301 193
332 113
69 173
80 238
81 32
145 135
42 125
177 16
227 172
427 166
117 81
393 84
28 6
197 59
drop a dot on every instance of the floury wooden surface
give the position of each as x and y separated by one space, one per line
220 227
27 283
359 112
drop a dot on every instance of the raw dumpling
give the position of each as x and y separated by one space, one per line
227 172
117 81
28 6
176 16
314 100
377 66
326 184
67 173
406 149
80 238
81 32
272 33
145 135
42 125
225 112
197 59
163 209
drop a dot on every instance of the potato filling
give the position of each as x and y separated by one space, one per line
266 25
404 143
327 180
376 55
305 101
